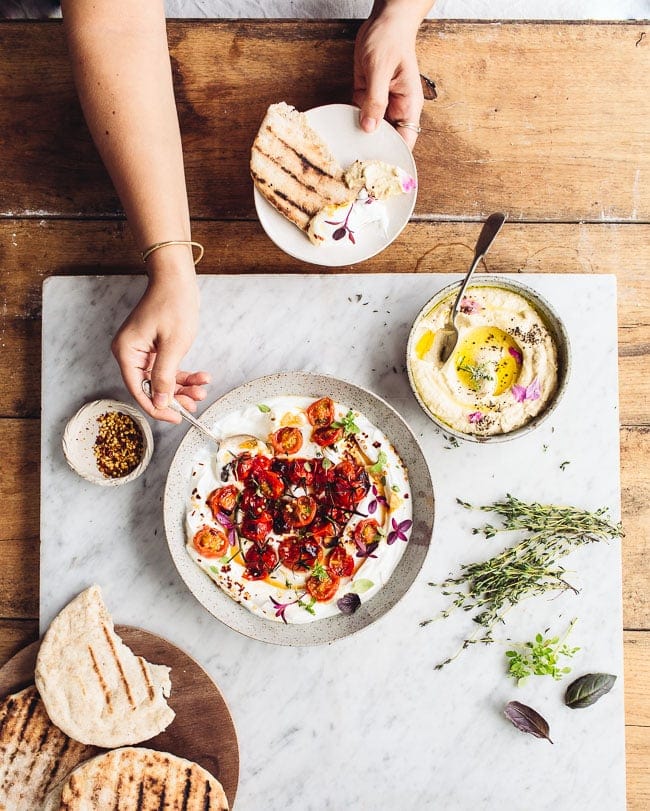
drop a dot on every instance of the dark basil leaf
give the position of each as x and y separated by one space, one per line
349 603
527 720
586 690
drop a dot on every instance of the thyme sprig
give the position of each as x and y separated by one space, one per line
490 588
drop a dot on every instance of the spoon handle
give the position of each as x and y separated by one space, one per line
491 228
185 414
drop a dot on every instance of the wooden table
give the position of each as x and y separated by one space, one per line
549 122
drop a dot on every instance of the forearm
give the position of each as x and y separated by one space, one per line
410 12
122 70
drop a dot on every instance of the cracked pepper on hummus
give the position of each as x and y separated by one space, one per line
503 371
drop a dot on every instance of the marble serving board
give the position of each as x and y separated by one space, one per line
366 722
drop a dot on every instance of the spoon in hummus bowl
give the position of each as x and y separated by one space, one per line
236 444
448 335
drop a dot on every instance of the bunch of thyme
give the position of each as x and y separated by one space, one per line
526 569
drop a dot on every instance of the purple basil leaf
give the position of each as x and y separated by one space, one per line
349 603
372 507
351 237
339 233
586 690
526 719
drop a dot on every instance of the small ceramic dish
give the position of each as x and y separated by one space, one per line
549 319
81 433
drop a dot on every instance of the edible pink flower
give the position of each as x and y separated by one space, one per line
408 183
530 392
469 305
475 416
516 354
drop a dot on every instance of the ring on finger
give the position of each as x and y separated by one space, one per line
409 125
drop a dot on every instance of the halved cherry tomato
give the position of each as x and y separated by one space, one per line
301 472
349 484
321 412
252 502
322 529
340 563
210 542
256 528
299 512
327 435
287 440
248 465
223 499
269 484
260 561
322 588
367 531
298 554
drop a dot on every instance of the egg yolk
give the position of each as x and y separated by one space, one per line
487 355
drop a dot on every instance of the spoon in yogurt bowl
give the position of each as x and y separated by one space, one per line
241 442
448 335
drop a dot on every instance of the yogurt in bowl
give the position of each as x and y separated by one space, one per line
507 370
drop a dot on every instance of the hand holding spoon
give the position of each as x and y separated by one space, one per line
449 333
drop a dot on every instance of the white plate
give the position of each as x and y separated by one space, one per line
338 125
325 630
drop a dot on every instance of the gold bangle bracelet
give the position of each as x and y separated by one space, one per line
147 253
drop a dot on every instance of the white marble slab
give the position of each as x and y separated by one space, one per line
365 723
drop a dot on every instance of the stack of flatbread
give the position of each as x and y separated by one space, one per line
92 692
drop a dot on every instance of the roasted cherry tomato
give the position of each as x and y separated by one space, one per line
349 484
210 542
321 412
299 512
322 588
367 531
252 502
256 528
340 563
260 561
269 484
287 440
322 529
326 436
298 554
301 472
223 499
243 466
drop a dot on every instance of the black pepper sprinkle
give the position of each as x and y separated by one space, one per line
119 445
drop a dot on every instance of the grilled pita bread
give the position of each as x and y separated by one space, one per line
136 778
293 168
34 754
93 686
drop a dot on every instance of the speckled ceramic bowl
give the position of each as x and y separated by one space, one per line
552 322
327 629
79 439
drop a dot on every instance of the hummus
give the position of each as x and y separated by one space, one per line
503 371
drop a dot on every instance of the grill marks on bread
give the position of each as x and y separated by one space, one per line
293 169
138 779
34 754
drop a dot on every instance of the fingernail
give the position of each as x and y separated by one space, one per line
368 124
160 400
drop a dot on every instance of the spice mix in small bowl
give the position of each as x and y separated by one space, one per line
108 442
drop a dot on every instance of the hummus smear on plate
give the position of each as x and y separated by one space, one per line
503 371
308 522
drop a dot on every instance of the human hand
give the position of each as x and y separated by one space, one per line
386 75
153 340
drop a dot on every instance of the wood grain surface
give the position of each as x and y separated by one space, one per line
548 121
202 731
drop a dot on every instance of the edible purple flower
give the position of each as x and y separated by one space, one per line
475 416
408 183
378 499
516 354
223 519
365 550
344 229
469 305
530 392
398 531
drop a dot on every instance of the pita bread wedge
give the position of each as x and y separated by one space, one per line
93 686
137 778
293 168
34 754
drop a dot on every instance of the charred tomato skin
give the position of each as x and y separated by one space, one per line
327 435
256 528
223 499
260 561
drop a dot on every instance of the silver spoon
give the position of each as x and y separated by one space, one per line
449 333
185 414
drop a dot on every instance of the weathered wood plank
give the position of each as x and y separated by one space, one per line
20 572
14 635
635 508
567 141
637 677
20 442
637 756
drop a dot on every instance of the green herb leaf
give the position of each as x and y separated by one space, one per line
527 719
263 408
586 690
327 463
378 467
308 606
319 571
540 658
361 585
347 423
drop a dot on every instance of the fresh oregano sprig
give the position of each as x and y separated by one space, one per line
490 588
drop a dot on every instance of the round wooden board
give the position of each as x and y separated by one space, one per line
203 730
